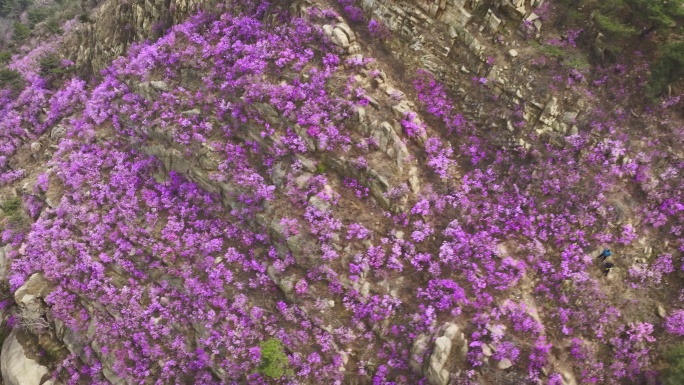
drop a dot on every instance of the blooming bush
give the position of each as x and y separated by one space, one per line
674 323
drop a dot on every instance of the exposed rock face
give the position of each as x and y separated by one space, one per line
117 24
17 368
436 373
449 48
4 263
34 288
449 341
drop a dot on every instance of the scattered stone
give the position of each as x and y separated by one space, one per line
193 112
339 38
509 126
549 113
347 31
570 117
278 174
160 85
395 93
532 17
307 164
414 182
648 250
58 132
495 330
568 378
491 22
362 119
418 349
319 203
302 180
486 350
50 202
660 311
372 101
504 364
36 147
513 53
451 331
4 265
436 374
365 289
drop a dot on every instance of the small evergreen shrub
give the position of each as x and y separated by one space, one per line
11 209
10 206
36 15
5 57
274 362
53 26
668 67
613 26
21 31
10 79
7 6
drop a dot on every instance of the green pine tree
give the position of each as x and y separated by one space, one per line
274 362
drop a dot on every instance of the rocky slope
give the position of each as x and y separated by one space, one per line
391 192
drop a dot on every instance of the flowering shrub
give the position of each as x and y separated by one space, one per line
674 323
379 30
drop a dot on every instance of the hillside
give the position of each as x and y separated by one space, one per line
345 192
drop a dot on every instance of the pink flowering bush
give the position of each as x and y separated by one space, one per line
674 323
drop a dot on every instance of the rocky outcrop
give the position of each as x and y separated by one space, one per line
17 368
116 24
32 309
453 45
449 341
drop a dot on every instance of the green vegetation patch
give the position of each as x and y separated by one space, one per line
274 362
571 58
21 31
667 68
11 206
5 57
11 79
613 26
36 15
674 373
11 209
